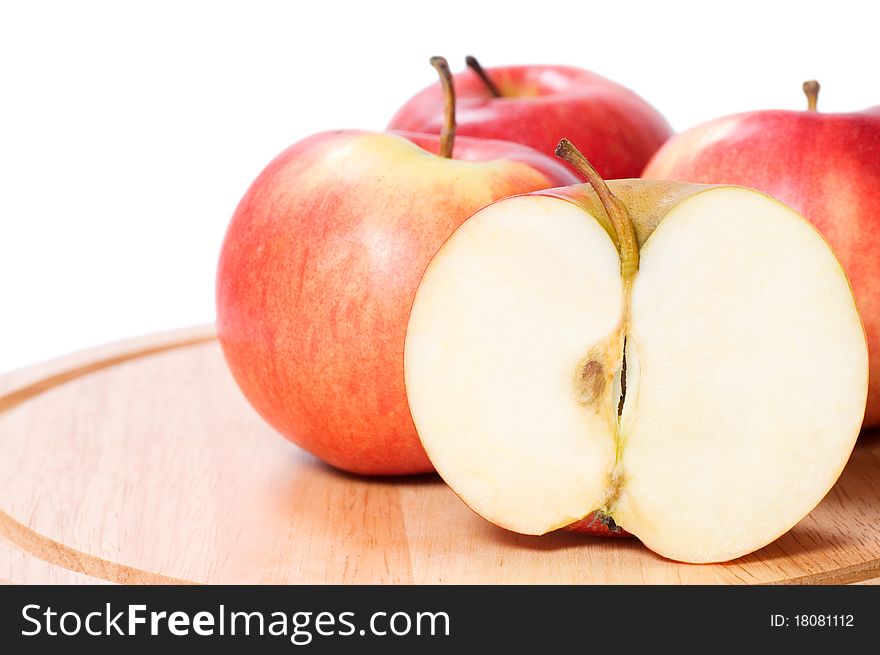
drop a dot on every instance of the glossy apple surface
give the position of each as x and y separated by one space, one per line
317 274
617 129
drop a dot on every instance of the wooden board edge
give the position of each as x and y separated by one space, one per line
861 572
43 376
32 381
40 378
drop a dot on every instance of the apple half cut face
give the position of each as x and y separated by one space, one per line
744 382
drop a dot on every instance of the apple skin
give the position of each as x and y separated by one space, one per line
318 271
595 526
617 130
825 166
479 149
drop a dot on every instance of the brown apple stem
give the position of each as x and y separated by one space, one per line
447 134
616 210
811 89
474 65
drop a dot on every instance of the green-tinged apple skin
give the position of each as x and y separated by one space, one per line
825 166
712 457
317 274
484 150
618 129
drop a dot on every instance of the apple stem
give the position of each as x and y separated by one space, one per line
475 66
447 134
811 89
616 210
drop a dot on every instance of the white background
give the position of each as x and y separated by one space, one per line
129 131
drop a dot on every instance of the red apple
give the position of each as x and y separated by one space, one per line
826 166
318 271
537 105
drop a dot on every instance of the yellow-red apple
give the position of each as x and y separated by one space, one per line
319 268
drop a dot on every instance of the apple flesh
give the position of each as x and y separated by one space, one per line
824 165
746 366
541 104
317 274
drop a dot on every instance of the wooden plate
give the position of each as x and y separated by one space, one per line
141 462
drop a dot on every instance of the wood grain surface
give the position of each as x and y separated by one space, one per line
140 462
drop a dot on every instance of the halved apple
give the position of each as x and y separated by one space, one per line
745 364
